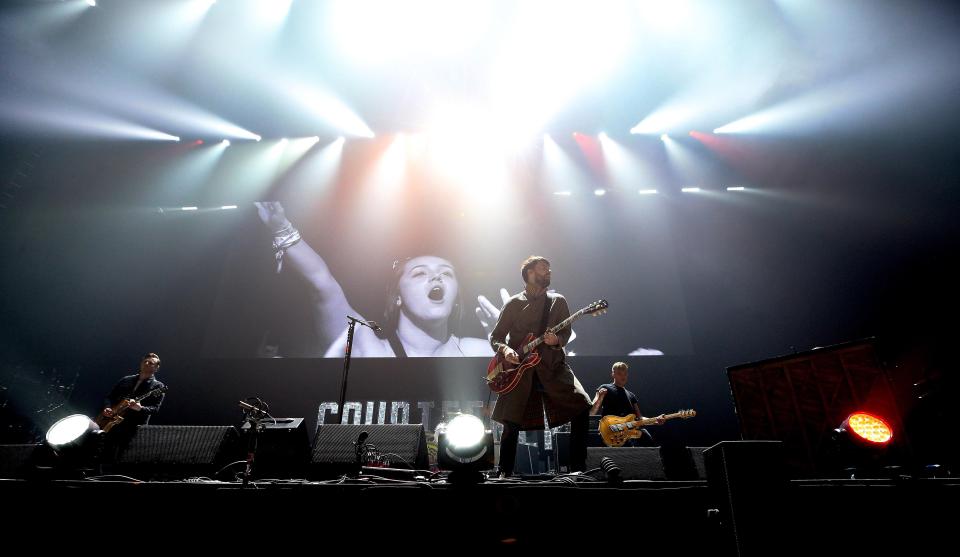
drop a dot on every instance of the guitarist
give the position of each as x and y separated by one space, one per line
551 384
133 386
614 399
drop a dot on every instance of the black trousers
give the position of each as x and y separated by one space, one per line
578 444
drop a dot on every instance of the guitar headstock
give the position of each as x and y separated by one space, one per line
597 308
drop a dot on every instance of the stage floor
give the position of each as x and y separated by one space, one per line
682 518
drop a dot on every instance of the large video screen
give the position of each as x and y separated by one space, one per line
434 272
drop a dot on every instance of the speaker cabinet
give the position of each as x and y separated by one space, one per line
399 445
177 451
635 463
17 461
283 448
748 483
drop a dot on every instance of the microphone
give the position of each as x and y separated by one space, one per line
372 324
252 408
611 469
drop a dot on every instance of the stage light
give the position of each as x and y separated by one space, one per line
664 137
225 142
868 427
322 105
272 12
228 207
188 208
736 188
73 442
647 192
465 448
599 192
91 2
860 445
602 136
69 431
689 190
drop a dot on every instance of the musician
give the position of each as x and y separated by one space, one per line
133 386
614 399
551 384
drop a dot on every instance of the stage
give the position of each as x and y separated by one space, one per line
682 518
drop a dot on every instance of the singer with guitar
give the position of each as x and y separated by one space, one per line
122 401
550 384
614 399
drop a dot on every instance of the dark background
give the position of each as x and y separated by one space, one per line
848 228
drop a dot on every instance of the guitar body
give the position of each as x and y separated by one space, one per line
502 376
615 431
107 423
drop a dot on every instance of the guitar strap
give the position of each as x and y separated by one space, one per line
546 313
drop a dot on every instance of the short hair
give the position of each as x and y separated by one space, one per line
528 264
619 366
150 355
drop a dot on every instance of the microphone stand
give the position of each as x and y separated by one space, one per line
253 414
346 361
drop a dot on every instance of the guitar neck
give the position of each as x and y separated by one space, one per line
558 327
146 395
652 421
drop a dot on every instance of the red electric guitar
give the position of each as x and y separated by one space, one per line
502 376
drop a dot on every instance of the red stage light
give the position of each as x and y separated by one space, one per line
868 427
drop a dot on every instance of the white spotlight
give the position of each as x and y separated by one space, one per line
228 207
736 188
647 192
664 137
188 208
225 143
602 136
257 138
464 431
91 2
69 430
600 191
689 190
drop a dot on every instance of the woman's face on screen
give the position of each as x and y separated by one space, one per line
428 288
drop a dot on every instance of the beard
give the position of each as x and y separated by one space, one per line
543 282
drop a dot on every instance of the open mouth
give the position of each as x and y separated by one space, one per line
436 294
